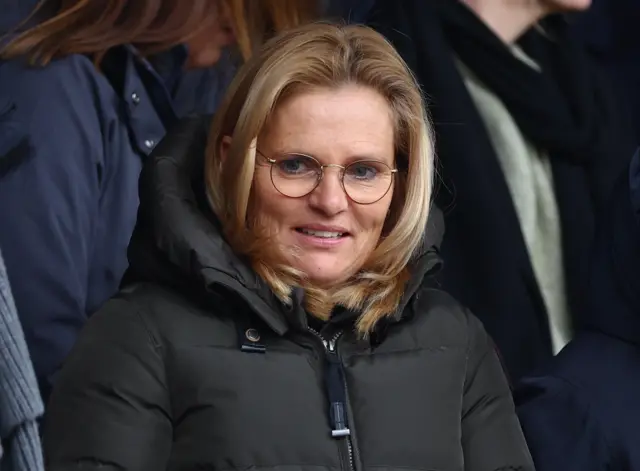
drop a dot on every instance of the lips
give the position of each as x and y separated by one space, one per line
321 234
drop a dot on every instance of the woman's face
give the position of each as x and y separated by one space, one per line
325 234
205 48
566 5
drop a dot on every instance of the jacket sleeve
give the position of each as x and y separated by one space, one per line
50 152
561 430
492 439
109 409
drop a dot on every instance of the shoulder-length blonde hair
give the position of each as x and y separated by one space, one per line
327 56
92 27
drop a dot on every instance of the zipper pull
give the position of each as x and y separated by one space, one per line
335 382
339 420
330 346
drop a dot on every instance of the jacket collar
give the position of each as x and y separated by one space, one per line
176 241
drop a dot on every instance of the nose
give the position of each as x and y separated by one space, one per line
329 196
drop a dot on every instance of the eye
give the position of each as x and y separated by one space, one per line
365 171
296 165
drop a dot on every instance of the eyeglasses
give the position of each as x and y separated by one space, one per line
297 175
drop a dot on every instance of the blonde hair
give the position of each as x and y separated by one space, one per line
324 56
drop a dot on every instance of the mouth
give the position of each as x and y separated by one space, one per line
322 234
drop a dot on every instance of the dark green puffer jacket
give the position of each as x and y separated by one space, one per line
196 366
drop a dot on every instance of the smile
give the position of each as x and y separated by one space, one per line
322 234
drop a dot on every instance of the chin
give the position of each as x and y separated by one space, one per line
569 5
205 59
579 5
326 275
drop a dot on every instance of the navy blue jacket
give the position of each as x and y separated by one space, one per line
351 11
72 143
14 12
583 414
609 30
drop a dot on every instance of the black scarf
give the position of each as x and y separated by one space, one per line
560 108
565 110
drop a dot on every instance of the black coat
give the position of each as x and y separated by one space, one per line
195 365
487 265
582 413
608 29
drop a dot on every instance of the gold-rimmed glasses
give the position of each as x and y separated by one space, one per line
297 175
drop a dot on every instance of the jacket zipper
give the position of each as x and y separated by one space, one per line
338 407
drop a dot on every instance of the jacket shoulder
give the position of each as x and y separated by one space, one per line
174 319
59 109
73 65
443 319
63 80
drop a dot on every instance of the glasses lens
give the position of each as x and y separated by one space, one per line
295 175
367 181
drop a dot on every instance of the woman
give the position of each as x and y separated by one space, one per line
84 98
582 412
276 314
530 143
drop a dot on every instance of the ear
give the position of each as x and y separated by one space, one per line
225 145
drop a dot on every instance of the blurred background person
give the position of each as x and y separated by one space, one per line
275 314
85 95
529 142
20 403
582 413
15 12
608 30
350 11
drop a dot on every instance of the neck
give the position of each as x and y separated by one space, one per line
508 19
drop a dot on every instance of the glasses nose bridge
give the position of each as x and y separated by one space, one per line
342 168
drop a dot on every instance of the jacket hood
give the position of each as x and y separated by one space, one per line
178 243
615 281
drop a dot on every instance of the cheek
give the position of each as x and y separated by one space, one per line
372 218
272 209
262 187
260 212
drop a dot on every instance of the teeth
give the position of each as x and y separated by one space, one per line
324 234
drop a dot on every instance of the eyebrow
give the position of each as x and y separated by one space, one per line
348 160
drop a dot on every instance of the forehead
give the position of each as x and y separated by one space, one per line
335 124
